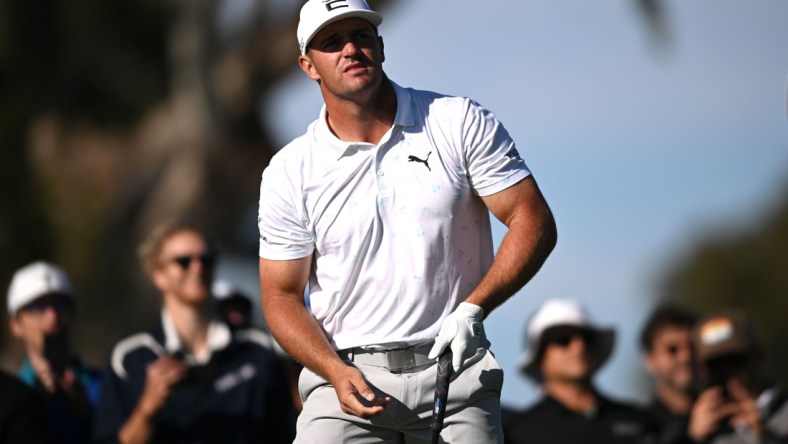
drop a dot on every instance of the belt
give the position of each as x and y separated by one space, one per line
393 360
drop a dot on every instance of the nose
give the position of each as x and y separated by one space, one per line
684 354
350 48
51 316
577 342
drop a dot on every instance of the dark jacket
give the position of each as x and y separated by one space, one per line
549 422
240 395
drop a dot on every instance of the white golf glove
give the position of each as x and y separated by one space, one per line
461 331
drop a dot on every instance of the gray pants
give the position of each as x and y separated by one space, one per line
473 409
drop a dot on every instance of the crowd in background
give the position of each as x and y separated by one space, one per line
205 373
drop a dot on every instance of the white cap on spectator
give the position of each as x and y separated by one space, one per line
35 280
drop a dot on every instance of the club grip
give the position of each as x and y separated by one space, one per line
442 378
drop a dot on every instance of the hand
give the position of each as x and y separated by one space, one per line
160 377
747 414
707 412
355 396
461 331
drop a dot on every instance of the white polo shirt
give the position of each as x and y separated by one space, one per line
397 231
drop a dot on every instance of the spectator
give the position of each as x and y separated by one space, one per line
233 305
191 378
739 405
665 340
563 353
41 302
21 421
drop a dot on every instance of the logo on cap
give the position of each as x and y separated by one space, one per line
335 4
716 331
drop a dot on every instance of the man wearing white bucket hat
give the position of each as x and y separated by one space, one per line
564 350
382 209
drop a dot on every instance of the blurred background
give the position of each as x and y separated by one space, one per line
656 129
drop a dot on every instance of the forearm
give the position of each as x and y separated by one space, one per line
299 334
138 429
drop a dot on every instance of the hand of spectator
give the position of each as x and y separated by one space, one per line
44 372
747 413
355 396
461 331
709 409
160 376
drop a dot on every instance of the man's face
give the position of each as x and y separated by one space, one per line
670 359
567 354
346 57
46 315
185 268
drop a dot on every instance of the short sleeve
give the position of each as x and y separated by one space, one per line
281 219
492 160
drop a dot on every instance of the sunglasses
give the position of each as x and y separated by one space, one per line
60 305
674 349
206 260
565 337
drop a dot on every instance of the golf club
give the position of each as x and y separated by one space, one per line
441 394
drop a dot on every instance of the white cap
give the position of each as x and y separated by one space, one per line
562 312
316 14
35 280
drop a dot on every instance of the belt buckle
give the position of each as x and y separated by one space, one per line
401 359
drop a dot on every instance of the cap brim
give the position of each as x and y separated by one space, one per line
603 347
371 16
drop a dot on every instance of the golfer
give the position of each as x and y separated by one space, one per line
381 208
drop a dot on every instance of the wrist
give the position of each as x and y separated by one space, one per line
472 310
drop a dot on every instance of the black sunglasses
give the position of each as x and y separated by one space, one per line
564 337
206 260
60 305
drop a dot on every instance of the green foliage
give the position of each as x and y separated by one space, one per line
745 271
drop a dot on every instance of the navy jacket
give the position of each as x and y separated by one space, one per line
240 395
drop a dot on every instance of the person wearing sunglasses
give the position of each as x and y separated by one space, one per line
669 360
564 351
737 403
41 302
191 378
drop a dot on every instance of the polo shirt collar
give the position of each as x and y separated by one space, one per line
339 148
219 337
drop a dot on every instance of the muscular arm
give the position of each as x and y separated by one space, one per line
530 239
282 286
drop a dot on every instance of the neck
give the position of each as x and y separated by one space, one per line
577 396
191 324
676 401
363 120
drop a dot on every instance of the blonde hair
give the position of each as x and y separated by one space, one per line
149 250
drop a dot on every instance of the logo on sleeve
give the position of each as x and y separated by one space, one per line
424 161
513 154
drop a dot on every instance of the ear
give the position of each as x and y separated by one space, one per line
382 52
16 327
159 279
648 364
306 65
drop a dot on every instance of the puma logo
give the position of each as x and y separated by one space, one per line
425 161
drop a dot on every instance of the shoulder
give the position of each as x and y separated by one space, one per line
136 349
13 388
622 406
438 102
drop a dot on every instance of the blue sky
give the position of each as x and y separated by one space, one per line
639 152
